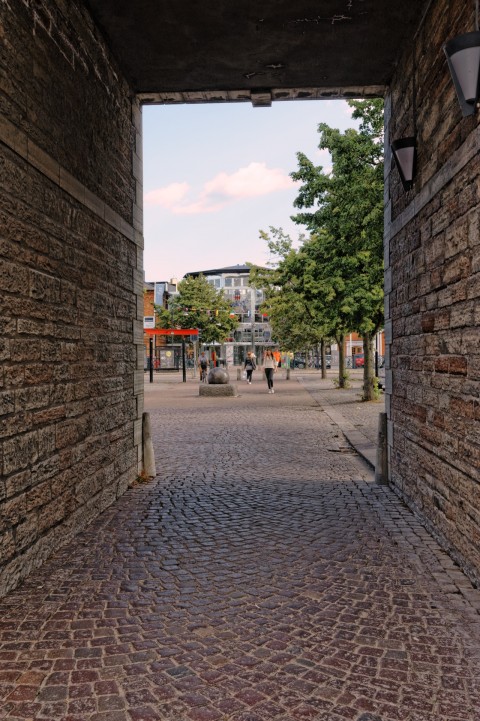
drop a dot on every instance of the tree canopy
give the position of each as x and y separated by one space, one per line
296 323
199 305
343 210
337 272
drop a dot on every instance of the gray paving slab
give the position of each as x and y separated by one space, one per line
261 576
357 419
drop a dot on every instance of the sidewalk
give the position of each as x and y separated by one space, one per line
357 420
261 576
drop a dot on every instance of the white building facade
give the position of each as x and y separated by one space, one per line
253 330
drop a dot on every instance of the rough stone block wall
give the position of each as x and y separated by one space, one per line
71 305
432 259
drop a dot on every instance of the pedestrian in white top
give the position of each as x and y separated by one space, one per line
270 366
250 365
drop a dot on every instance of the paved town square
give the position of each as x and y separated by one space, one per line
262 575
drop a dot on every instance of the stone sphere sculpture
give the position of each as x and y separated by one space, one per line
218 375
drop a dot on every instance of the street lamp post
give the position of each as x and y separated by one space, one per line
252 311
184 361
151 359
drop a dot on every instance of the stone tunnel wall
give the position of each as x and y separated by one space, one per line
432 259
70 280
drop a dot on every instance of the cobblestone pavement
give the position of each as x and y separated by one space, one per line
262 576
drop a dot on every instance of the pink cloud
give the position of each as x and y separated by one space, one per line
169 196
202 205
252 181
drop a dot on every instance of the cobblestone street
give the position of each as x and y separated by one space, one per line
261 576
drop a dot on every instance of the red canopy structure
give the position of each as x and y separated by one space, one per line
171 331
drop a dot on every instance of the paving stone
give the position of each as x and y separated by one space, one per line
259 577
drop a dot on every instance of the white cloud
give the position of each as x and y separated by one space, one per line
252 181
323 155
346 109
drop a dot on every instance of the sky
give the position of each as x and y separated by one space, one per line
215 175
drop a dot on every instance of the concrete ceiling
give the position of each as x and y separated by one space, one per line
258 50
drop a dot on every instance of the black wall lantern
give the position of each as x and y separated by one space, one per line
405 154
404 150
463 57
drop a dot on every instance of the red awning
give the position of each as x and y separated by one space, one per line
171 331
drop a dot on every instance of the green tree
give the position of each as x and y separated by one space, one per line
343 210
199 305
296 322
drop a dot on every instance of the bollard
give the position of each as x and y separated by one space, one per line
149 469
239 374
381 465
287 377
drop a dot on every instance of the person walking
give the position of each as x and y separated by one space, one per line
270 366
203 366
250 365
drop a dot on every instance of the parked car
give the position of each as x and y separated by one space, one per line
359 360
298 362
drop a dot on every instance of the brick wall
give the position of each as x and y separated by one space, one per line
148 304
432 258
148 309
71 305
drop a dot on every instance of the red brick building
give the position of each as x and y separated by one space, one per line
155 294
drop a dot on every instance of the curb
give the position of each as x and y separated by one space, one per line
359 442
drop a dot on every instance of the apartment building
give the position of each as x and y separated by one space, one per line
253 329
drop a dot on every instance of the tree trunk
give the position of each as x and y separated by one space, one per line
322 358
341 361
368 368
